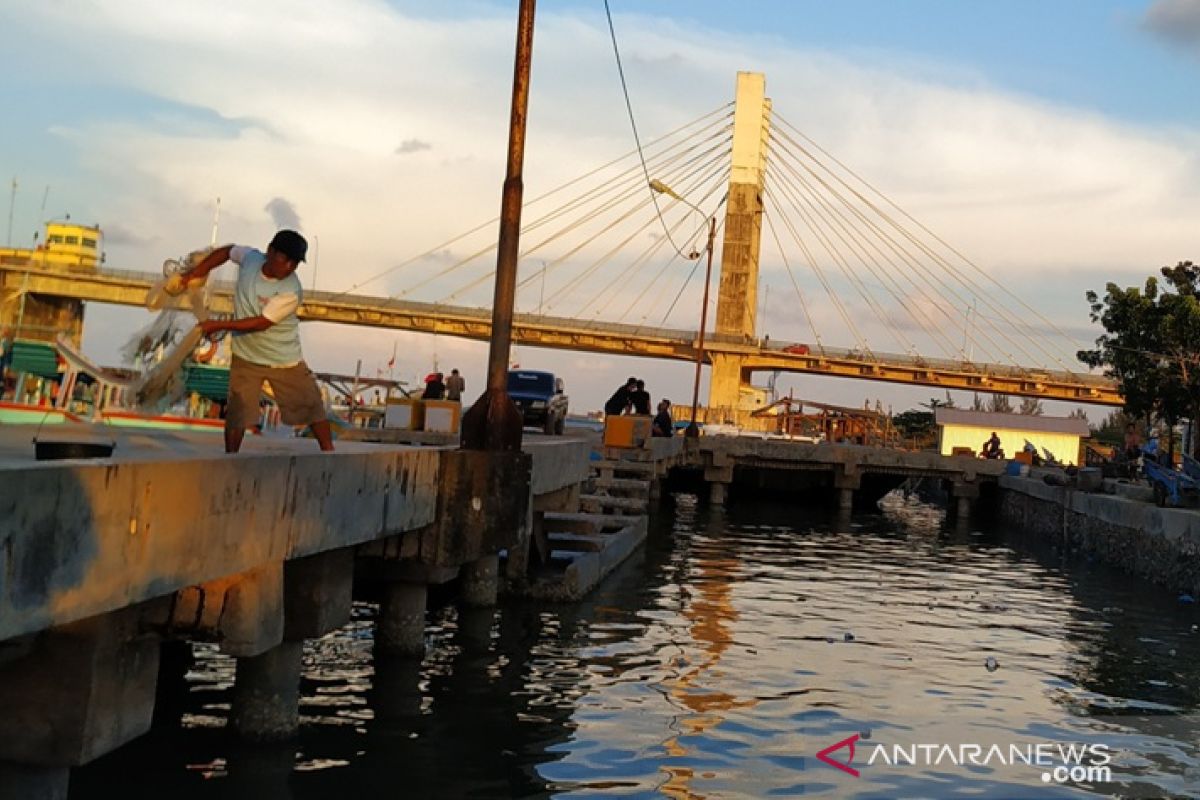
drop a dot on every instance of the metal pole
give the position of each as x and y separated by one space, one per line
12 202
693 430
493 422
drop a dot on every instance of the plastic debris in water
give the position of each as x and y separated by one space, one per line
991 664
1171 652
1186 598
848 636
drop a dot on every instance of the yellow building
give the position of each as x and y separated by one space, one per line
66 245
1059 436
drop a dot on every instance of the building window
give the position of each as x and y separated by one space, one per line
55 239
89 243
72 240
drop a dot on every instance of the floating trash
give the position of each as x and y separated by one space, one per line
848 636
1186 598
991 664
1171 652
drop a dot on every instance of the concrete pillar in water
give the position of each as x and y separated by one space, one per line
33 783
266 694
847 480
655 490
70 695
400 627
962 511
481 582
717 493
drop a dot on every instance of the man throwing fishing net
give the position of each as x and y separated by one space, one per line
266 337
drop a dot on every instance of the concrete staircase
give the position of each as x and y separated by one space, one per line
611 522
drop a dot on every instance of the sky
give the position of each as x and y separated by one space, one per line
1054 143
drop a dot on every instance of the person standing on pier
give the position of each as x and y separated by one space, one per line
640 399
455 386
619 401
266 338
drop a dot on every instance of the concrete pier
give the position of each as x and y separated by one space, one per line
481 582
266 694
171 540
400 626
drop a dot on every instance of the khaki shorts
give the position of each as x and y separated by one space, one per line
295 391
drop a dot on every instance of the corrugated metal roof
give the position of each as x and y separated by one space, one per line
1012 422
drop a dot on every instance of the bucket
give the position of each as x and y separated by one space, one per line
53 451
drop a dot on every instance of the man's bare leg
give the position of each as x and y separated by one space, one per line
323 434
233 438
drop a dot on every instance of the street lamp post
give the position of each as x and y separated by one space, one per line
693 430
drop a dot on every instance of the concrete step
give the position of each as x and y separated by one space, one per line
627 454
575 542
597 503
608 467
603 523
632 485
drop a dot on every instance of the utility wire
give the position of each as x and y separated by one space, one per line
633 124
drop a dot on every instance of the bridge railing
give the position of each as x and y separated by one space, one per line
674 335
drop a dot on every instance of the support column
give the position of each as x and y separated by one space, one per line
963 493
717 493
266 694
78 692
846 479
400 626
481 582
33 783
737 296
962 511
845 499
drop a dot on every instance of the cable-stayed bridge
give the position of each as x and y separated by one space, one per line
608 265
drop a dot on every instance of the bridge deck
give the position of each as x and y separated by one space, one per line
129 288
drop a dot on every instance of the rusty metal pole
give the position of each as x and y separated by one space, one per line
693 430
494 422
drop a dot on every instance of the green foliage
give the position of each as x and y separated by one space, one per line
1000 404
1031 406
1151 344
914 422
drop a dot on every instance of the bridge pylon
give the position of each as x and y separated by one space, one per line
730 395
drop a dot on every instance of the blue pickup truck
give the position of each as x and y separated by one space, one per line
541 399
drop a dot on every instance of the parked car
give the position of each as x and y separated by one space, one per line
797 349
540 397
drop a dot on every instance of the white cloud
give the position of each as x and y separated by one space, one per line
320 89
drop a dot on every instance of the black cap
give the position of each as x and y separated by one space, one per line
291 244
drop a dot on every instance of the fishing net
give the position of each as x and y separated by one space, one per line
161 348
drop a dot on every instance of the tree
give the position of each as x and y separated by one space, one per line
1000 404
1079 413
913 422
1031 406
1151 344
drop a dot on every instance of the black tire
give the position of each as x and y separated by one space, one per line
559 425
548 428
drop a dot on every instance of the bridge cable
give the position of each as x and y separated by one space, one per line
633 123
862 246
815 266
985 296
606 188
814 204
937 259
787 266
531 201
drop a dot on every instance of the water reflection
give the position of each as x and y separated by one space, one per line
716 664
